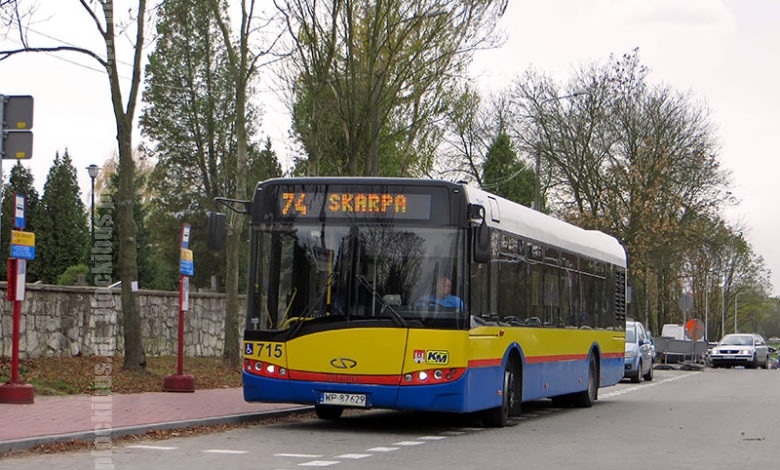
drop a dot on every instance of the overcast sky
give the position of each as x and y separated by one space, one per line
726 53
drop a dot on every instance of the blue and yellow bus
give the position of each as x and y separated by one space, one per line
342 271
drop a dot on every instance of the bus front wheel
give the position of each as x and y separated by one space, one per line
510 398
587 397
328 412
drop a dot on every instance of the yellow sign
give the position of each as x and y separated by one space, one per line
22 238
186 255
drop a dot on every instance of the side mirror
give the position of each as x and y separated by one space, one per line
216 231
482 243
481 234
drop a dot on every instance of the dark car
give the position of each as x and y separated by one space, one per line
740 349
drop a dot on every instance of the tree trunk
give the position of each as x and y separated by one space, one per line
232 351
135 358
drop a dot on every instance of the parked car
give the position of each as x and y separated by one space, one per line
740 349
640 353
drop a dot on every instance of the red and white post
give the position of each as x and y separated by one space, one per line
22 249
181 382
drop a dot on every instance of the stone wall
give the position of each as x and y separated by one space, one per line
68 321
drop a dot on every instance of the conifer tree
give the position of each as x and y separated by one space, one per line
62 234
505 175
20 182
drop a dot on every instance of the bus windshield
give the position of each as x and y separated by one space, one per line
350 273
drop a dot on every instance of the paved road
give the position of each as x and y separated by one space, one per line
715 419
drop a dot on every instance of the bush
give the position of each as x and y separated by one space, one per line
71 275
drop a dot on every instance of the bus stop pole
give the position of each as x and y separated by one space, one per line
181 382
15 390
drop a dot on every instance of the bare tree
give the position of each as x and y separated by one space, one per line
373 79
103 17
243 62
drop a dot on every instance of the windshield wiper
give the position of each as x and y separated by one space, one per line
395 316
321 302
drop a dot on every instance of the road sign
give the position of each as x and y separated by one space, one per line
17 145
685 302
22 244
20 205
185 235
16 120
17 279
18 113
186 265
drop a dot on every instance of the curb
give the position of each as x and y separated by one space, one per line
87 436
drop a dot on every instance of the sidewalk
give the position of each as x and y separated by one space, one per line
82 417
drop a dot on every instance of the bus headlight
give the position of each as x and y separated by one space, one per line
422 376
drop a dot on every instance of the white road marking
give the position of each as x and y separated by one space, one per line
381 449
432 438
408 443
352 456
646 385
225 451
302 456
140 446
319 463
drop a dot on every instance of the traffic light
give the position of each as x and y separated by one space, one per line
16 120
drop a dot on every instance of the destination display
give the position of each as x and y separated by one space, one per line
407 206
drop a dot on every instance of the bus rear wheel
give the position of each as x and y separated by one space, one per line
328 412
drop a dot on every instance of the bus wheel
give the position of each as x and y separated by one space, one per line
328 412
587 397
510 399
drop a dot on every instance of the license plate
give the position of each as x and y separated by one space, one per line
344 399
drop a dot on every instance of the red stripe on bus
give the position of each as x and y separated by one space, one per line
614 355
345 378
474 363
555 358
541 359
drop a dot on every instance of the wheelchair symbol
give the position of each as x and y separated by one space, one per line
249 349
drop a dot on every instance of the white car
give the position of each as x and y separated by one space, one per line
740 349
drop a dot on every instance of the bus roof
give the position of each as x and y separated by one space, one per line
537 226
504 214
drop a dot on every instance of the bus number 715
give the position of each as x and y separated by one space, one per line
269 350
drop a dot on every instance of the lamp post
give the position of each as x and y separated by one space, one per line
723 310
706 306
538 163
93 172
736 296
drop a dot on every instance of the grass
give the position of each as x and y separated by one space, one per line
90 374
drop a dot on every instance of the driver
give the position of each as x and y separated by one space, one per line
443 297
